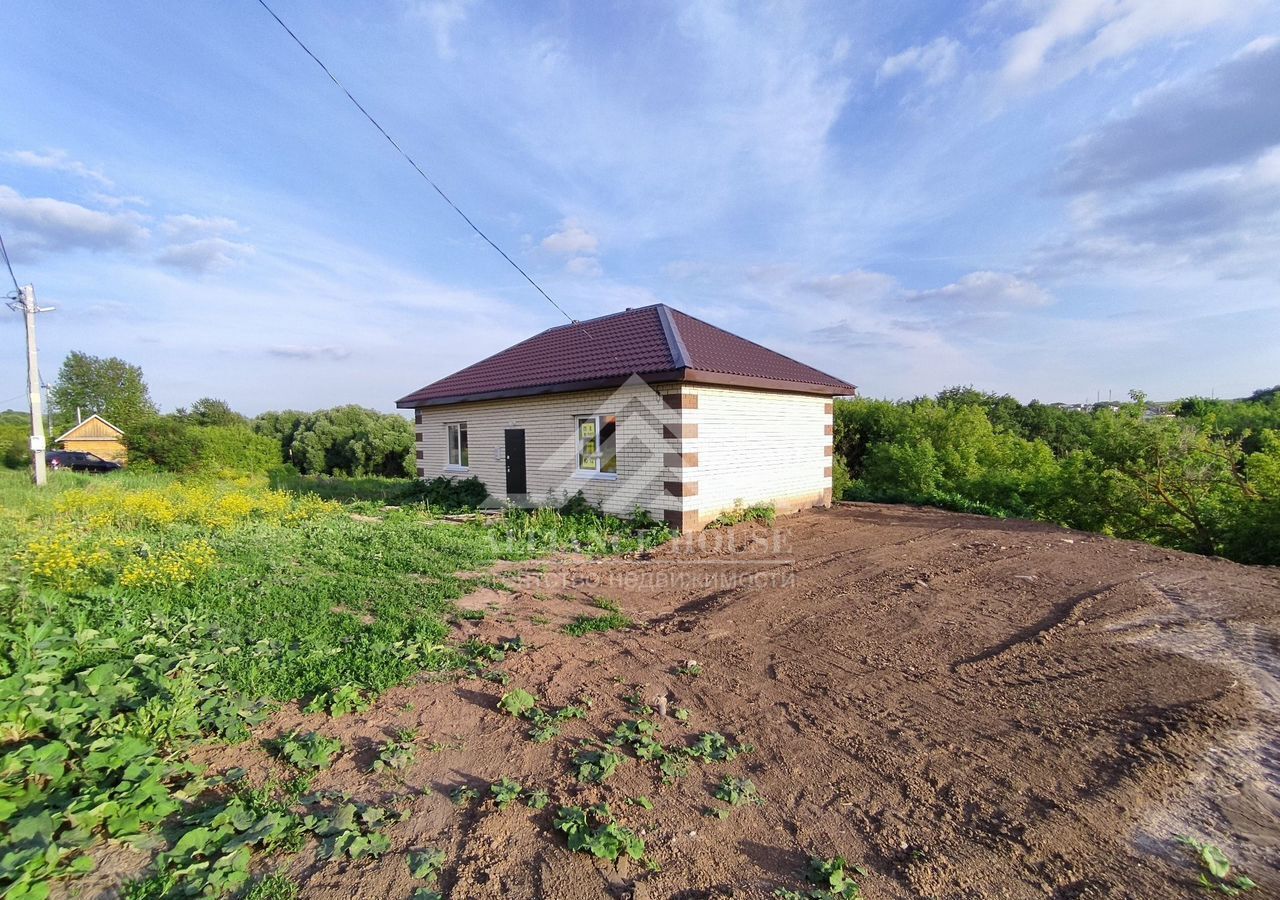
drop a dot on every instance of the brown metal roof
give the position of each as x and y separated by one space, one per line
657 343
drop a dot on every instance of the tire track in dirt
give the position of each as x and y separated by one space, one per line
1235 791
968 707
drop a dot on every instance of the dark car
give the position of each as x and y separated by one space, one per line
78 461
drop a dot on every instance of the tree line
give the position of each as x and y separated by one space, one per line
1199 474
210 436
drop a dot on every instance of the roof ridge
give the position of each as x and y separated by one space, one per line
791 359
671 331
85 420
621 312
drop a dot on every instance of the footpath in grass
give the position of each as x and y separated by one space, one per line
144 613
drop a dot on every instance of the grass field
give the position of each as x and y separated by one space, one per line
145 613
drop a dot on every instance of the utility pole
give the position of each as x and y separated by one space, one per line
27 301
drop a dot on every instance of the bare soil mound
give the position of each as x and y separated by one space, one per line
966 707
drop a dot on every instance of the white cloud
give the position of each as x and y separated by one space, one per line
988 289
1222 221
1075 35
204 255
57 161
443 16
977 289
331 352
1187 179
45 224
185 227
1213 118
571 240
855 285
936 61
583 265
115 202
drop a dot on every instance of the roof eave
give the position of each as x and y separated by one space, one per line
696 376
414 401
83 422
833 388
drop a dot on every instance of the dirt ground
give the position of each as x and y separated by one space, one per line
964 706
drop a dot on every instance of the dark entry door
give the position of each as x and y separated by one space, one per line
516 483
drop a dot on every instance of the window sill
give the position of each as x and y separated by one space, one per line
596 476
456 470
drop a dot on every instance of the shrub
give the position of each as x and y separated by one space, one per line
452 494
579 505
164 443
236 448
1201 481
15 450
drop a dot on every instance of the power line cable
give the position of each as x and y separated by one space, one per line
8 265
411 162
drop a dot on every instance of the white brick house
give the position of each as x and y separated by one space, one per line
646 408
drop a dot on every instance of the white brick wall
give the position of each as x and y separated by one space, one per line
752 446
549 424
758 447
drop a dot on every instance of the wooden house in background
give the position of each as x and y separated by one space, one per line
97 436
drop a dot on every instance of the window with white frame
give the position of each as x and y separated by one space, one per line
457 445
596 444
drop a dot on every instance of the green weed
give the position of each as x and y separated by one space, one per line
711 746
463 795
517 702
344 699
425 864
737 791
594 831
1215 869
273 887
759 512
505 792
597 765
583 625
307 751
144 612
394 755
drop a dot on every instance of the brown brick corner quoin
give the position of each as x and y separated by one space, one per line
680 400
680 488
683 521
680 460
683 431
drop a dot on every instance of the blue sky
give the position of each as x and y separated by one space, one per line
1046 198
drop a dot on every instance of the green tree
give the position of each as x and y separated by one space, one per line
1253 535
110 387
210 411
280 426
345 440
163 442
